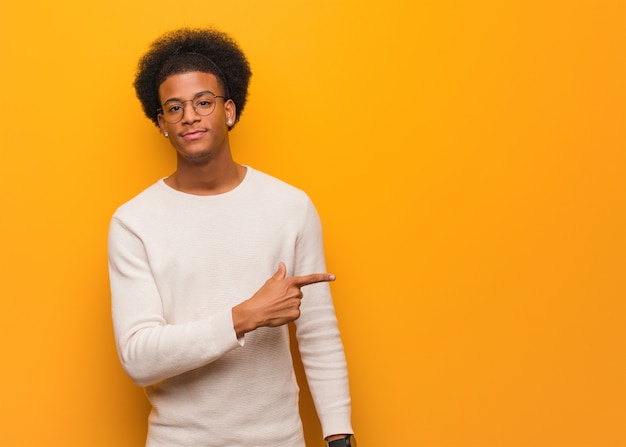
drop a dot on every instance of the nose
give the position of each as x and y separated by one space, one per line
189 112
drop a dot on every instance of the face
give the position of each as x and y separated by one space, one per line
196 137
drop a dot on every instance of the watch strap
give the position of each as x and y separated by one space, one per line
343 442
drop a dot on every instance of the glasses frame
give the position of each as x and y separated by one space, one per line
193 106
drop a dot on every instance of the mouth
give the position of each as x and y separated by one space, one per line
193 134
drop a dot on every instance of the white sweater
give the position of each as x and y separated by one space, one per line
178 264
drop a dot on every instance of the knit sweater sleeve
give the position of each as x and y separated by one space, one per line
150 349
319 341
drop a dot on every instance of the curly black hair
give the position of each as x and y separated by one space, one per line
192 49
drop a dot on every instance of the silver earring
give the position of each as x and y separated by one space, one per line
165 134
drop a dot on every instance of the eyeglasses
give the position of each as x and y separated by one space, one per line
203 104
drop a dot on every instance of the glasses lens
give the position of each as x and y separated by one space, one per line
202 105
173 112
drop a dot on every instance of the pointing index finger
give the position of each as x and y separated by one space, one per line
305 280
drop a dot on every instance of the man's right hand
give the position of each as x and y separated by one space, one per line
276 303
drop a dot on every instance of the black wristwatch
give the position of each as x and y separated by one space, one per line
348 441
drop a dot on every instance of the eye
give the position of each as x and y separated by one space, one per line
175 108
204 102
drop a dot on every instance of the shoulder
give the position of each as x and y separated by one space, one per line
280 199
269 185
144 201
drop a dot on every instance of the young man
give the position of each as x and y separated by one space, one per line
208 265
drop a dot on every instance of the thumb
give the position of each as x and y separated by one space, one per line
281 273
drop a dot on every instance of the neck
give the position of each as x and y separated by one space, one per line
207 177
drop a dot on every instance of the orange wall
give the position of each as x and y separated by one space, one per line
468 160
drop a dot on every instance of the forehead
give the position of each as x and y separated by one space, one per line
186 85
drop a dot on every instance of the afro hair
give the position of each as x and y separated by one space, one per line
192 49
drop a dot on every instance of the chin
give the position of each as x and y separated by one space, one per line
195 156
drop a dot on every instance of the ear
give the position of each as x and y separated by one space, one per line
231 112
161 123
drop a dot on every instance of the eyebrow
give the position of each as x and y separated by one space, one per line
194 96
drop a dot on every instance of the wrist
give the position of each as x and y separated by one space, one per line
242 320
340 441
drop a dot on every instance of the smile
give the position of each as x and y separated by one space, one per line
193 134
